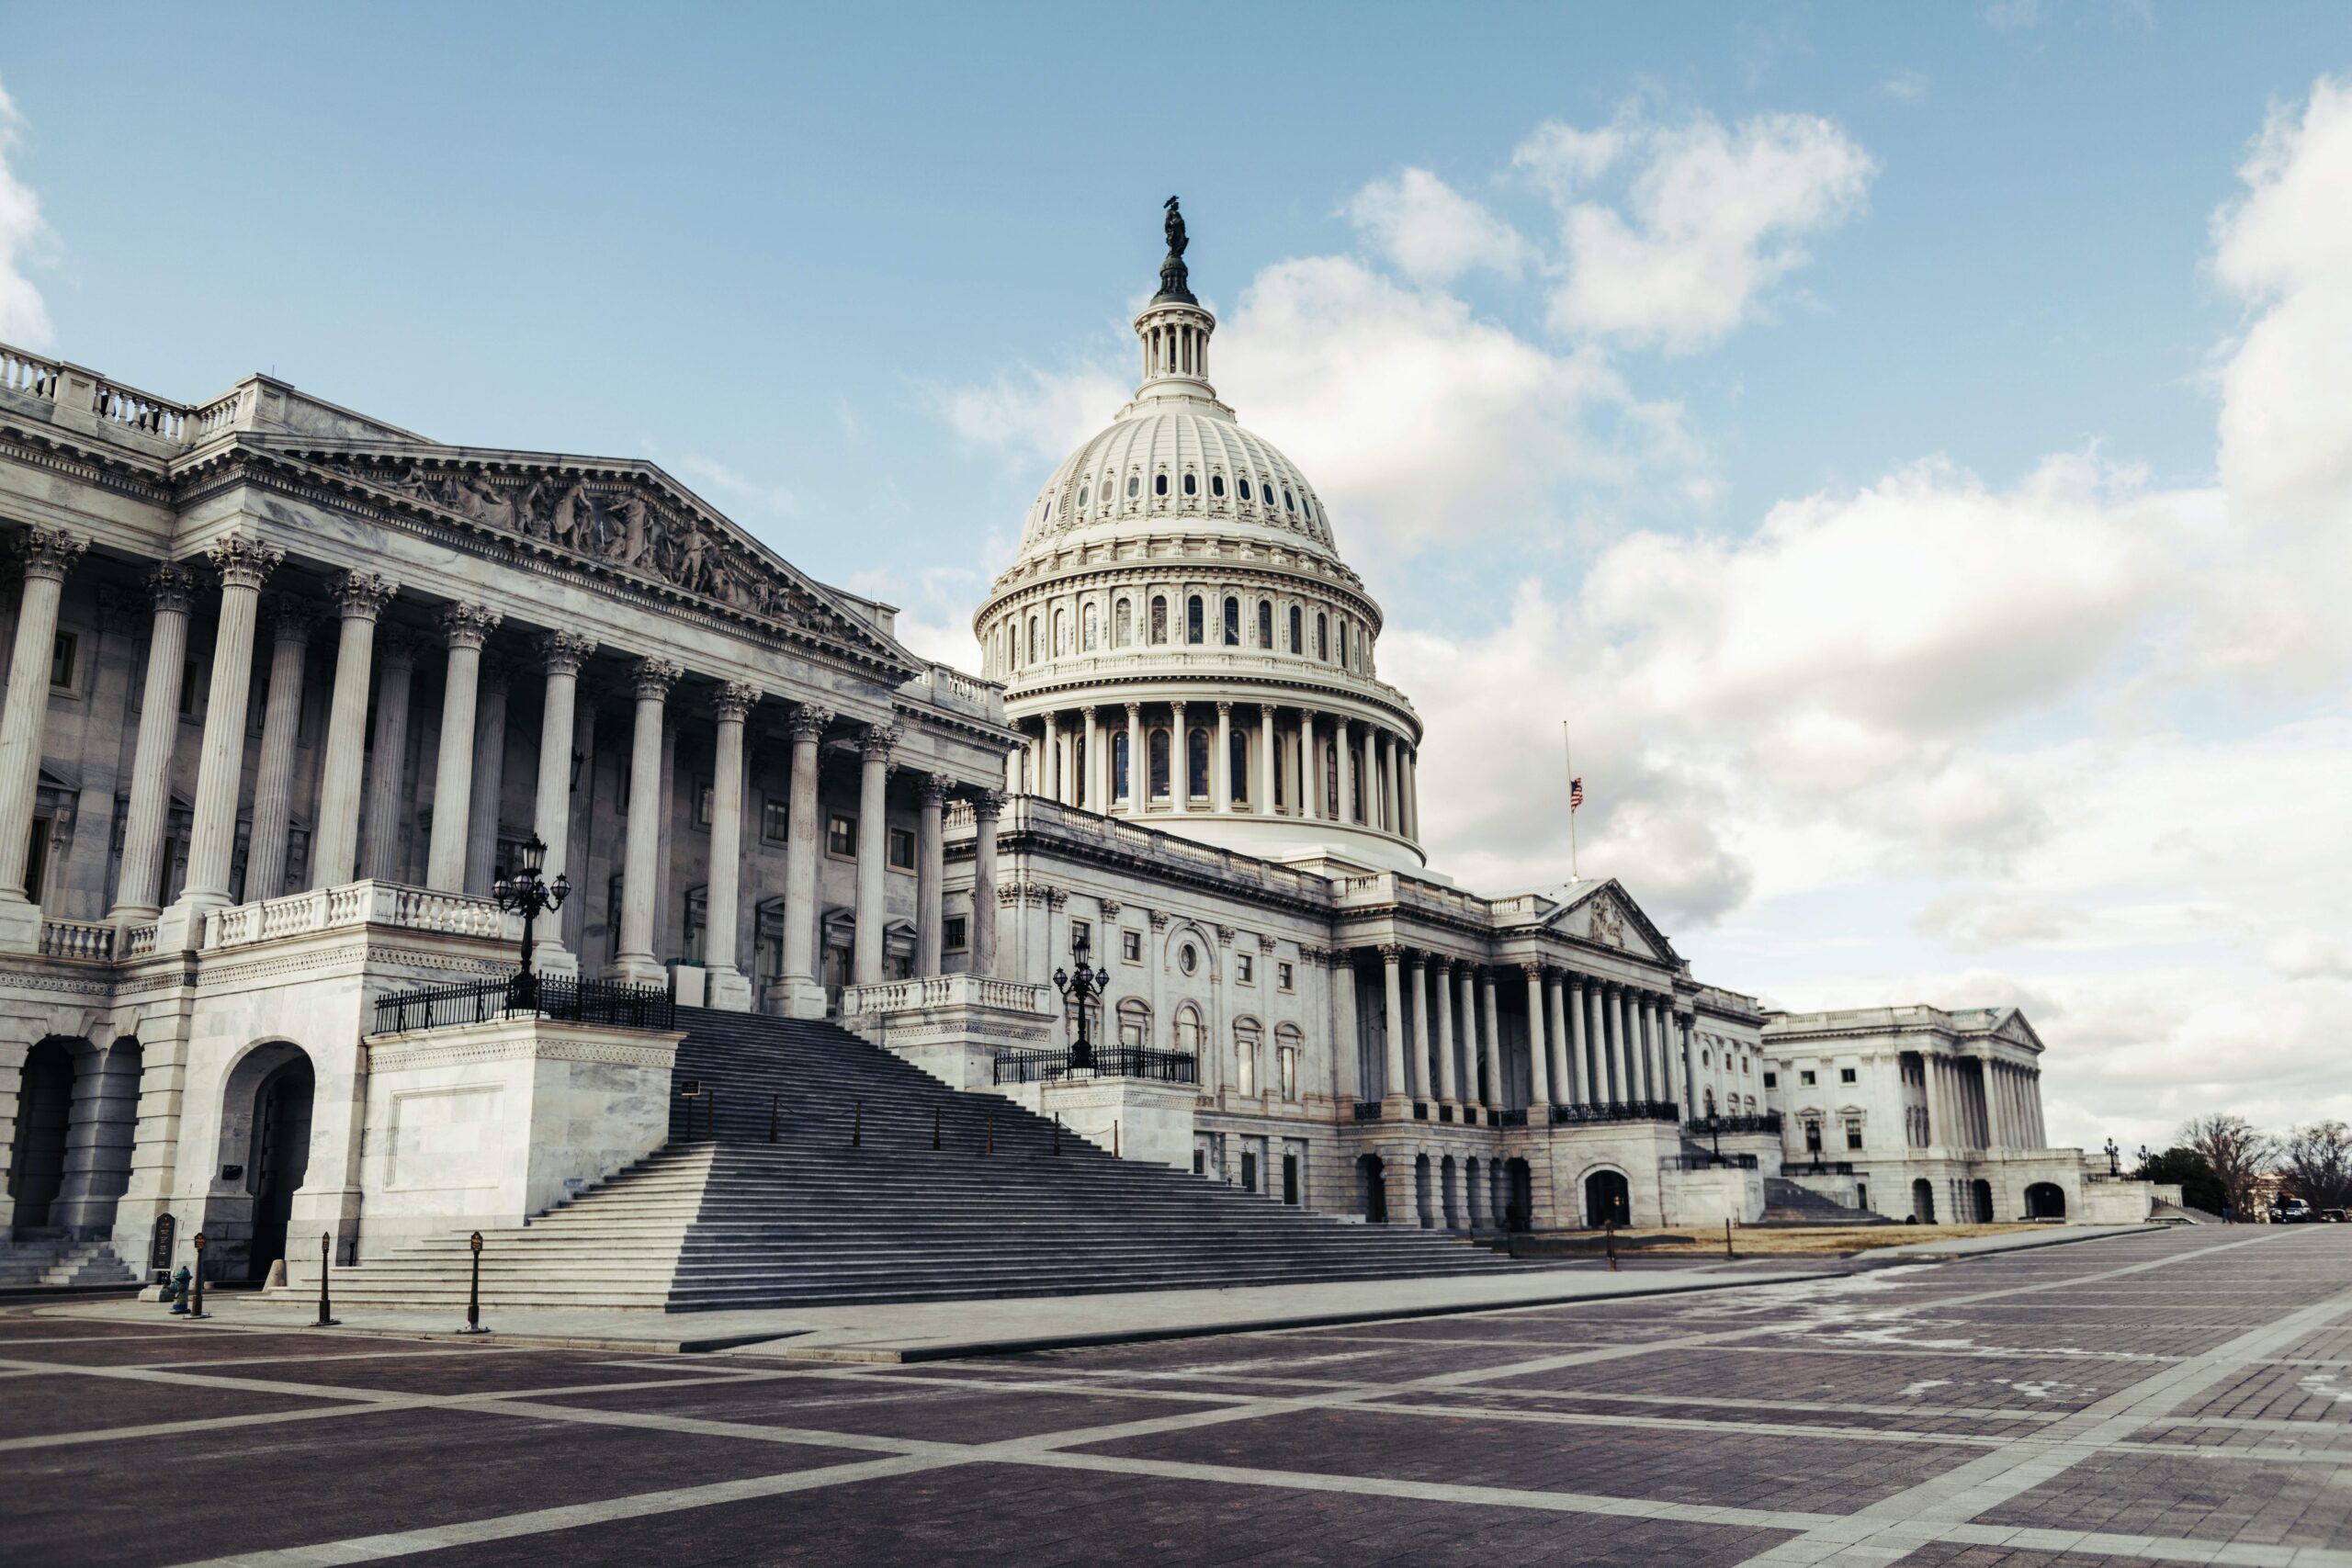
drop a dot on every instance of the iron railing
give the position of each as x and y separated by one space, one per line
1769 1121
1108 1062
1617 1111
1819 1167
1367 1110
1707 1162
1515 1118
563 997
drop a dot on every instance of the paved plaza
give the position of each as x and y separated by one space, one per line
2170 1397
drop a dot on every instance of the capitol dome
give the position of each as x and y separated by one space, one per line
1180 639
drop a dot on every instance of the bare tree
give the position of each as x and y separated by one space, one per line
2317 1160
2236 1152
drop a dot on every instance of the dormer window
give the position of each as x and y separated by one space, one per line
1217 487
1134 486
1081 494
1245 490
1192 485
1287 503
1159 484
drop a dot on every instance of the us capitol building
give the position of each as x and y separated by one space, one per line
290 689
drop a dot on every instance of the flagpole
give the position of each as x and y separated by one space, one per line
1569 753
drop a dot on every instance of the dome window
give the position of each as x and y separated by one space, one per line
1232 621
1192 485
1159 484
1216 486
1287 503
1134 486
1193 626
1081 494
1245 490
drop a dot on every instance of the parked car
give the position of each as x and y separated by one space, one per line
2332 1216
2294 1211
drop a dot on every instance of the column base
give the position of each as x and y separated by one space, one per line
730 990
19 923
180 929
796 996
639 970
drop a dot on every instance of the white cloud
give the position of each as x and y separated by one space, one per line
1432 232
1712 217
1905 87
736 491
1033 414
24 233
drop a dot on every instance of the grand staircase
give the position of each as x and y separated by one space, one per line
1787 1203
35 1260
882 1184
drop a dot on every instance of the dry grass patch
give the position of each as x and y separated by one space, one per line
1761 1242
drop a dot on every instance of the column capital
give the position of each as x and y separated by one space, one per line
170 587
808 722
51 553
1391 952
291 619
1531 969
1135 711
1225 710
242 560
361 595
654 677
988 805
878 741
734 701
467 625
933 789
1266 712
1109 907
1088 710
564 652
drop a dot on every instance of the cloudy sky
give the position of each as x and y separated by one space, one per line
1910 445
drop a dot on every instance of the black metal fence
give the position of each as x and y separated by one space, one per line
1769 1122
560 997
1106 1062
1708 1162
1617 1111
1819 1167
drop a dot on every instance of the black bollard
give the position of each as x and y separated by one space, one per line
473 1293
326 1256
1727 1252
1114 1139
198 1309
1610 1231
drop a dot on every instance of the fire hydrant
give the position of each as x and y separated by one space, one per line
179 1289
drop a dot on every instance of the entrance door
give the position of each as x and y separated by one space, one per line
1608 1199
1374 1177
1290 1179
282 1158
44 1107
1518 1196
1923 1202
1980 1198
2045 1200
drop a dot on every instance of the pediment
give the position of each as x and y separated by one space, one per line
2013 1028
619 516
1605 916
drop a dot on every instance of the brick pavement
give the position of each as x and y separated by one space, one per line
2173 1398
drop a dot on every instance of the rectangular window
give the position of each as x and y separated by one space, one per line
706 803
1244 969
1131 946
1082 934
1845 1075
1282 975
1200 1162
62 659
775 819
1853 1133
950 934
841 836
1805 1077
1286 1064
902 848
1771 1080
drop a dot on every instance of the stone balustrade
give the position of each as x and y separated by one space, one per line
115 406
946 991
952 688
358 904
86 942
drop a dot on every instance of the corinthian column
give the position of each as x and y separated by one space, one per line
1398 1088
1418 1009
388 760
803 996
138 887
244 563
723 938
1264 803
641 859
1539 1051
464 628
490 772
1311 768
873 749
564 653
931 866
291 622
1441 974
1138 764
987 806
1221 762
359 597
1088 793
1180 760
49 554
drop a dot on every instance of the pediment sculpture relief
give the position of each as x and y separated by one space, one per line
618 523
1608 925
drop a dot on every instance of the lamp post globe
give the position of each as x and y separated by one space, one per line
525 891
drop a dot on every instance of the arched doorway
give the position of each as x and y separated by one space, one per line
44 1112
1518 1196
1374 1178
1980 1198
281 1157
1608 1199
1472 1176
1448 1172
2045 1200
1923 1202
1423 1209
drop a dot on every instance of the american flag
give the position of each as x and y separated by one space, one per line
1576 791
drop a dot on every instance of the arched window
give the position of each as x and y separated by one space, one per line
1196 763
1160 618
1061 633
1344 643
1090 629
1710 1102
1266 623
1306 506
1245 490
1035 649
1119 767
1287 504
1188 1030
1237 765
1330 781
1323 637
1216 486
1297 637
1121 624
1287 1041
1160 764
1082 491
1159 484
1245 1058
1192 485
1232 621
1192 629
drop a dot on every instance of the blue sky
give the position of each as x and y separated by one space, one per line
1956 330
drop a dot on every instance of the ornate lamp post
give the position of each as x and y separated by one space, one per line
1715 1131
526 891
1081 990
2114 1165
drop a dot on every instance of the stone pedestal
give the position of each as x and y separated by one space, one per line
1138 1118
952 1026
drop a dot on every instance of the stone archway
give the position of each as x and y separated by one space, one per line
1373 1174
1608 1199
260 1160
1518 1196
1923 1202
44 1121
1980 1199
2045 1200
1423 1209
1448 1175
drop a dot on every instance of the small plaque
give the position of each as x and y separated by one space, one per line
232 1173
